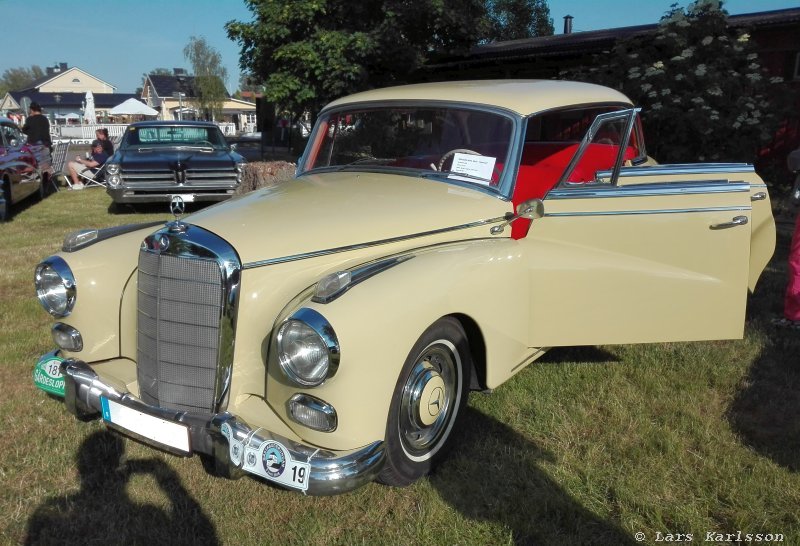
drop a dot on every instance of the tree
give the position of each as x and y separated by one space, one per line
209 75
309 52
15 79
517 19
704 93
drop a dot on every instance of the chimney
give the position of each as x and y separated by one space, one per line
179 71
62 67
568 24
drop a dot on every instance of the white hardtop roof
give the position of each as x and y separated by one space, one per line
522 96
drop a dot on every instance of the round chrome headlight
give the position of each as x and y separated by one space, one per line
55 286
308 351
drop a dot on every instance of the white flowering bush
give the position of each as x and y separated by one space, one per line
704 94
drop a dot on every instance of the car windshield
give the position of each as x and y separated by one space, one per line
173 136
460 143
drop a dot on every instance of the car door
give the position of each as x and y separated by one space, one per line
641 254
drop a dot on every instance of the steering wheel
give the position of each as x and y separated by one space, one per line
203 143
455 151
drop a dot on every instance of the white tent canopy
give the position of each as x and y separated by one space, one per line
132 107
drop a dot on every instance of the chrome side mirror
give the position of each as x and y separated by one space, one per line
233 147
532 209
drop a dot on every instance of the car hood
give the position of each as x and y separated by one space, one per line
157 158
321 212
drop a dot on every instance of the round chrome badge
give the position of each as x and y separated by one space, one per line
163 243
177 206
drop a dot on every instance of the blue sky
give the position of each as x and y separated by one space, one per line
119 40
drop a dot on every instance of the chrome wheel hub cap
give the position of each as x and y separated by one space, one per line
428 398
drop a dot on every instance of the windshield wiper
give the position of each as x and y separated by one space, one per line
454 175
378 161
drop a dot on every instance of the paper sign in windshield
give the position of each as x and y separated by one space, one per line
474 166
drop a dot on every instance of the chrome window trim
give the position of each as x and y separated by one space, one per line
195 242
648 190
630 115
369 244
505 185
687 168
646 211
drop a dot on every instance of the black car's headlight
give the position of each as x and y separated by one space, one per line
308 350
113 174
55 286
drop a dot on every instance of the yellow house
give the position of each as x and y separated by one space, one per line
175 97
61 79
62 92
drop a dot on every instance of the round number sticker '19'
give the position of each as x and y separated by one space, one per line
47 375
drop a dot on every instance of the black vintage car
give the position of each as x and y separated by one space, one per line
25 169
157 160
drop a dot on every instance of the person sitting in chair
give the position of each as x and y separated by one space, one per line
102 136
88 167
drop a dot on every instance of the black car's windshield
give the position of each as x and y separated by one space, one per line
173 136
460 143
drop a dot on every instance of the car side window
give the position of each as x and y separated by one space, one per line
606 147
9 134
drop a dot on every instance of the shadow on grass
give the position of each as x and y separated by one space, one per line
765 411
102 513
493 474
583 354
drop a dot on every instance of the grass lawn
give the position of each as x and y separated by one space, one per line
590 445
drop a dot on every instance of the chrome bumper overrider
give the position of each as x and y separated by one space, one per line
228 440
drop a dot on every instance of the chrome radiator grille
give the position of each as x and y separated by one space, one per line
180 305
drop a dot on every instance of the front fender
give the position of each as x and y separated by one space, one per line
102 272
379 320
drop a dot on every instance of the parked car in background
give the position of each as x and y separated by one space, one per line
25 170
439 238
248 145
157 160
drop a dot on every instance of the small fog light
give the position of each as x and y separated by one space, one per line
312 412
67 337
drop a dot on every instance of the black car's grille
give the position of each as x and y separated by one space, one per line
194 178
179 322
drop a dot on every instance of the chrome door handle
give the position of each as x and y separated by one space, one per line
760 196
737 221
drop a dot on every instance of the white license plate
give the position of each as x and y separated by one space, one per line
160 431
187 197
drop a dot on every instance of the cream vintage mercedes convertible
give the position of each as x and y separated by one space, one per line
437 239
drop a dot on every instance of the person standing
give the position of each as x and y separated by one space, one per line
791 300
37 126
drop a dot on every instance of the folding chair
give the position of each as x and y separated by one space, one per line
59 162
96 181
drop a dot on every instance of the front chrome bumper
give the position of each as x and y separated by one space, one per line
133 195
234 447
